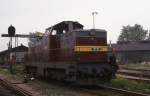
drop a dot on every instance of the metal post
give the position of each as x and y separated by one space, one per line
109 43
17 41
15 48
94 13
10 42
10 58
93 20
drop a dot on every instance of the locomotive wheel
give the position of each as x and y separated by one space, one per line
55 74
31 70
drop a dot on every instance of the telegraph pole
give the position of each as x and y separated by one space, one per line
93 14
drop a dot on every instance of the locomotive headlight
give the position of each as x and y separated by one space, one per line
92 33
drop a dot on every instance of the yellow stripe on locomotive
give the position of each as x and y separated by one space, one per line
91 48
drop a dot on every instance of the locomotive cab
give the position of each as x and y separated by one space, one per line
91 53
91 45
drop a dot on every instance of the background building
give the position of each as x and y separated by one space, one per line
132 52
19 52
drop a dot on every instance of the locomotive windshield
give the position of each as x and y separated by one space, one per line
89 33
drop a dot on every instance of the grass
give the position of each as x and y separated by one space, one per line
4 71
17 71
137 86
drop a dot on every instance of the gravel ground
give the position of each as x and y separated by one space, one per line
6 92
41 88
49 89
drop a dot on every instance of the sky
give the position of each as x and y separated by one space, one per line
37 15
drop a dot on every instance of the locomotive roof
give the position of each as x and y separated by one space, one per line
64 24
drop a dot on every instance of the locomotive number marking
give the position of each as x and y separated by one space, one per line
91 48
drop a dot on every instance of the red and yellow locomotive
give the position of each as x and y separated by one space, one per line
68 52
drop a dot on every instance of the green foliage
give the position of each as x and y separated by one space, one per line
17 69
4 71
132 33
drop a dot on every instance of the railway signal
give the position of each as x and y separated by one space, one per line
11 34
11 31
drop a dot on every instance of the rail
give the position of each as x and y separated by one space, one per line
14 88
122 91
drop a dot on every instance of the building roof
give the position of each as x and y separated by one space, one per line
132 46
20 48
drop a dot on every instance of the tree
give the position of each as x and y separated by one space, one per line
132 33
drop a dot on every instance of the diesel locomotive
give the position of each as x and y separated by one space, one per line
70 53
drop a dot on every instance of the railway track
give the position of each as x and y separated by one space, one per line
5 91
101 90
97 90
135 73
16 90
134 78
144 71
116 91
122 91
